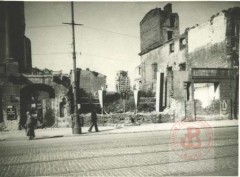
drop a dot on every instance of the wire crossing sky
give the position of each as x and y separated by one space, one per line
109 39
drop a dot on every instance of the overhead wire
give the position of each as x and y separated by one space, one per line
86 54
84 26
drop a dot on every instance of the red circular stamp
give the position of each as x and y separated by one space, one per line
191 140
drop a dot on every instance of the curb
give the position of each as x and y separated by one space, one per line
95 133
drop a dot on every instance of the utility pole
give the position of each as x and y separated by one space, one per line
77 128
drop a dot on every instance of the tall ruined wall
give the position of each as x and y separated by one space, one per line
150 29
2 32
207 44
13 43
92 81
215 44
156 25
27 55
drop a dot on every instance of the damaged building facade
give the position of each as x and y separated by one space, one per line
197 71
89 81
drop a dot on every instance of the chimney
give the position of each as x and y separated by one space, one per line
168 8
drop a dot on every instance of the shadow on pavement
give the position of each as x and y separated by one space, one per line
103 130
47 137
106 130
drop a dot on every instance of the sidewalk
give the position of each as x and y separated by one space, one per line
119 129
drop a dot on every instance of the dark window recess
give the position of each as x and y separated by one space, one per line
182 43
237 30
169 68
187 87
139 70
1 69
182 67
62 107
172 21
170 35
154 69
171 48
236 36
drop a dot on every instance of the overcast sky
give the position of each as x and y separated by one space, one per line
109 40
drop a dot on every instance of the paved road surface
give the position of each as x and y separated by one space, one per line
128 154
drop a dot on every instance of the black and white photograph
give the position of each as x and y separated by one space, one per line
119 88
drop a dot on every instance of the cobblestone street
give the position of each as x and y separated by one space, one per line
126 154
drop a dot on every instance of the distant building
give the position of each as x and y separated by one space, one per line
122 81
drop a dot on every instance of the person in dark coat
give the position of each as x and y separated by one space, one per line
30 126
28 122
93 121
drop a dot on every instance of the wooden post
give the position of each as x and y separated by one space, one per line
135 92
185 109
194 107
159 91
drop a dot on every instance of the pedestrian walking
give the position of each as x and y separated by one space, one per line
28 121
30 126
93 121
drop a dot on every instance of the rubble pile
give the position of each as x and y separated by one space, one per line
129 118
9 125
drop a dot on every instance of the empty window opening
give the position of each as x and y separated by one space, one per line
1 69
236 35
169 68
206 93
170 35
139 71
182 67
182 43
237 30
63 108
154 70
172 21
171 48
188 90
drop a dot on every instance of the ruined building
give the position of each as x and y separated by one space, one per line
88 84
15 50
89 81
197 70
122 81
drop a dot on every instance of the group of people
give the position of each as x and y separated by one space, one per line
32 121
